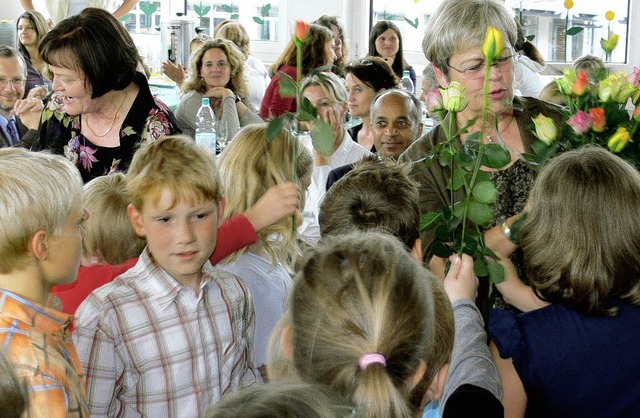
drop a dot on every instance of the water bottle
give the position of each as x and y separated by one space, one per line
206 127
407 84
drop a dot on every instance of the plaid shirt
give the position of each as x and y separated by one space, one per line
36 342
152 347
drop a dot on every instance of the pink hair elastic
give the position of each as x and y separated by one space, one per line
372 358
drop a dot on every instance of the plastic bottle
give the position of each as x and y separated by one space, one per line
206 127
407 83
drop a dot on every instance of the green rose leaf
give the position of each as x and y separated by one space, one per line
485 192
438 248
322 137
480 213
264 11
429 220
496 156
456 181
258 20
288 86
480 267
574 30
442 233
307 108
276 125
496 272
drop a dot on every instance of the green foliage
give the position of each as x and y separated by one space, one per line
288 86
258 20
574 30
413 23
148 8
200 10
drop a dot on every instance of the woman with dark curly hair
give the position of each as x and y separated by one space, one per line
217 72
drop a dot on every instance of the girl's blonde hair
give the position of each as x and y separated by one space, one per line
249 166
361 294
235 57
108 231
290 399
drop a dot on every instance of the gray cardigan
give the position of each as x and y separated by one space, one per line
190 103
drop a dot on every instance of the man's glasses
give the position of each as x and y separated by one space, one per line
475 72
17 82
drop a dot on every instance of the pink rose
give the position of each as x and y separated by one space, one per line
580 122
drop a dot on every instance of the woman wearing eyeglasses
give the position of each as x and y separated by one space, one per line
452 44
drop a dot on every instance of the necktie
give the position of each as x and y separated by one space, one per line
12 130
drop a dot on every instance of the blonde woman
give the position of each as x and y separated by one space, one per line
217 72
249 166
255 72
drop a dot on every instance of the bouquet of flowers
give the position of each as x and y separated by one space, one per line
596 113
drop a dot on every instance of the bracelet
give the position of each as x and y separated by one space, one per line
506 231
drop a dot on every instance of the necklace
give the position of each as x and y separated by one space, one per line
112 120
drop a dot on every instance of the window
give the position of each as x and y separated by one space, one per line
544 21
259 17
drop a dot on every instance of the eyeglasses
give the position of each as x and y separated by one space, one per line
503 65
17 82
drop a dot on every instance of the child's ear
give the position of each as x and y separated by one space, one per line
221 205
38 245
286 342
136 219
436 388
416 251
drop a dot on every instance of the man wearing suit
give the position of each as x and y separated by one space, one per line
18 118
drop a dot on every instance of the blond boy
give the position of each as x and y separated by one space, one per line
40 246
170 336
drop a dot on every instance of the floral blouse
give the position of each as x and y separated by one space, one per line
148 120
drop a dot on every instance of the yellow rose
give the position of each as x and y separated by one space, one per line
493 44
619 140
546 129
454 97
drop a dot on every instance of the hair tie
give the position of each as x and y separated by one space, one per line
372 358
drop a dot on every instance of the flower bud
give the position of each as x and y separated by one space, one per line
566 82
636 114
434 101
581 83
546 130
619 140
493 44
599 122
610 44
302 30
454 98
580 122
634 77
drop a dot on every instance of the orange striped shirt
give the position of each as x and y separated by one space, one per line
36 342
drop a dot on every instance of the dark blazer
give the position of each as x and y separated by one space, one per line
24 131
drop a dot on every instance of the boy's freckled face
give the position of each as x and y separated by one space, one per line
180 236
